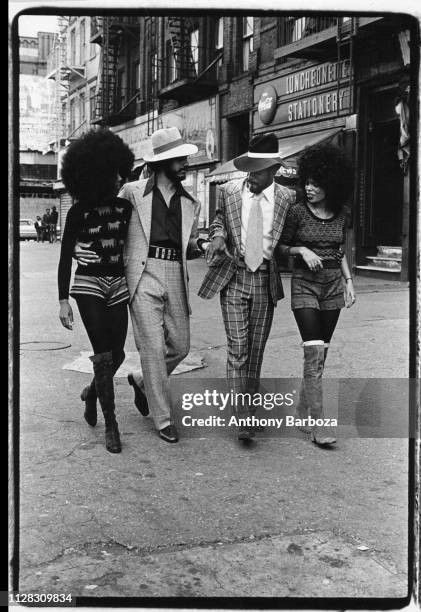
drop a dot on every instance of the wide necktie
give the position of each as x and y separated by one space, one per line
253 256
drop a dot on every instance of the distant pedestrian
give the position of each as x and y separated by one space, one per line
39 228
92 171
314 234
46 219
53 224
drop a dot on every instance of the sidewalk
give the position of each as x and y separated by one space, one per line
207 516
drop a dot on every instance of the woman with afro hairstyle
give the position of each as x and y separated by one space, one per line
314 235
92 171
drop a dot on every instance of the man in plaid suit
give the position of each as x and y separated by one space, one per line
242 259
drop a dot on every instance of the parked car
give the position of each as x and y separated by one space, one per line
27 230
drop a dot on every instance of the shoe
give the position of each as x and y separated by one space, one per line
322 440
140 400
246 433
112 438
169 433
89 397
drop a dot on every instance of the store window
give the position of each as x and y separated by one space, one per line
248 25
194 47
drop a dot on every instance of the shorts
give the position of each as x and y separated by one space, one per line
323 289
112 289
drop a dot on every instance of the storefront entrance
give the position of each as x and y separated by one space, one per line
381 190
385 186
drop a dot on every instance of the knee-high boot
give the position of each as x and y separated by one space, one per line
89 396
314 356
301 409
103 370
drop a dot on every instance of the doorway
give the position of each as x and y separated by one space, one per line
384 177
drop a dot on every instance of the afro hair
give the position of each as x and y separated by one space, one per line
327 166
92 162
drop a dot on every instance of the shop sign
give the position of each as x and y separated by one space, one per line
308 94
316 76
196 122
267 104
198 125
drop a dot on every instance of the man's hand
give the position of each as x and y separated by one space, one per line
216 250
83 255
66 314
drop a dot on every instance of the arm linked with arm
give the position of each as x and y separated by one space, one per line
68 242
217 228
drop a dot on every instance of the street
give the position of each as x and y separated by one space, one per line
206 517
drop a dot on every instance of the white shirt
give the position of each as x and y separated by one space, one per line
267 203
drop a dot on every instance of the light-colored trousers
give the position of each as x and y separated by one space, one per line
161 328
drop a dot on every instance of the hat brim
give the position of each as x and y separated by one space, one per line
181 151
255 164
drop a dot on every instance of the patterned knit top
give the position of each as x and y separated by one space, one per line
104 228
325 237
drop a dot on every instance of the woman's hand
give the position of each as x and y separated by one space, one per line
66 314
349 293
83 255
312 260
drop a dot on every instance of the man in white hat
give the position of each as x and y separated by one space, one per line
161 237
244 235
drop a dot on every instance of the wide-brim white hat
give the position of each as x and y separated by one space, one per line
167 143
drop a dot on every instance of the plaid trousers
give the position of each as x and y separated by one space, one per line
247 312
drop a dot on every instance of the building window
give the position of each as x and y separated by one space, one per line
219 45
72 116
154 68
92 103
171 64
299 28
194 48
82 108
82 42
121 88
72 47
247 40
135 78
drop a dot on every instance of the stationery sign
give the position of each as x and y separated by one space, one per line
317 92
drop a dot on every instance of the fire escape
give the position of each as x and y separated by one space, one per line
111 107
181 76
58 70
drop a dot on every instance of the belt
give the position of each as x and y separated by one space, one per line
327 264
167 253
264 267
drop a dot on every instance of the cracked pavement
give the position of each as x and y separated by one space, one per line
206 517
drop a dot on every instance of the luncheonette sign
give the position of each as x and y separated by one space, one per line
316 92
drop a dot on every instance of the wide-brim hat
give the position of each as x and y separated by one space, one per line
167 143
263 153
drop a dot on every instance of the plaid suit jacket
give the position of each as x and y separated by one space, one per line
227 224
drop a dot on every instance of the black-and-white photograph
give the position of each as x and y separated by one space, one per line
214 340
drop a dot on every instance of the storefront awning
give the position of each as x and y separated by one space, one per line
289 148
